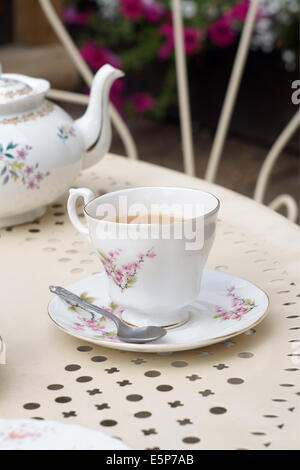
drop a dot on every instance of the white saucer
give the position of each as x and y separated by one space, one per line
35 434
227 306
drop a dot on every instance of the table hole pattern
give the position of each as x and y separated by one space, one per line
174 384
152 373
218 410
84 379
108 423
84 348
235 381
134 397
63 399
31 406
72 367
55 387
191 440
164 388
142 414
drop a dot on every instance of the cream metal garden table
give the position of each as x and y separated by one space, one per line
239 394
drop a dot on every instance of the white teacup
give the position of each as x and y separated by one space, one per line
154 271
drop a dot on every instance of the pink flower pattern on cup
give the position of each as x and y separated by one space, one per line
125 275
239 307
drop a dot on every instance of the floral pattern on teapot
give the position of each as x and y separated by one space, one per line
64 132
13 166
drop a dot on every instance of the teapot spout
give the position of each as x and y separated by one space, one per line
94 126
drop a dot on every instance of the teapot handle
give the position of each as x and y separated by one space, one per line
87 196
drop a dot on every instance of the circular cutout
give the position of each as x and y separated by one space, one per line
235 381
55 387
84 378
84 348
218 410
99 359
108 422
179 364
191 440
72 367
143 414
63 399
164 388
245 355
31 406
152 373
76 270
134 397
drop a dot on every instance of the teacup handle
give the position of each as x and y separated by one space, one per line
87 196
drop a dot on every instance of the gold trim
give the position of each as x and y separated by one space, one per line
33 116
173 325
11 94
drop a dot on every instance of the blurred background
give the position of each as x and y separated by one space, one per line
137 36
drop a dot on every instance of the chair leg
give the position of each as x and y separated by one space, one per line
231 93
183 96
270 160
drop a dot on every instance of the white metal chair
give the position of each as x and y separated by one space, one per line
184 108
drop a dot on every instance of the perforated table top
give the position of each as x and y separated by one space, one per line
239 394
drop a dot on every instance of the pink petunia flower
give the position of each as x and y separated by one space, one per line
97 56
116 95
153 11
192 39
221 33
71 15
142 102
240 10
132 9
166 50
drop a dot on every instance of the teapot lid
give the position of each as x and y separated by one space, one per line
12 89
20 92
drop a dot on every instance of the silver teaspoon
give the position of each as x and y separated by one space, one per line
129 334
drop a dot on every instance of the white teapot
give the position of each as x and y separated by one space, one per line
42 149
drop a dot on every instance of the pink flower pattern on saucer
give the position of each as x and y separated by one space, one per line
239 306
125 275
103 326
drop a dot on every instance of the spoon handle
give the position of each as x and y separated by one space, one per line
76 301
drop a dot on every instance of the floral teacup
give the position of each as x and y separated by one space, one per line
153 270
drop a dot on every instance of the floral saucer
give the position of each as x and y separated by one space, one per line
32 434
227 306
